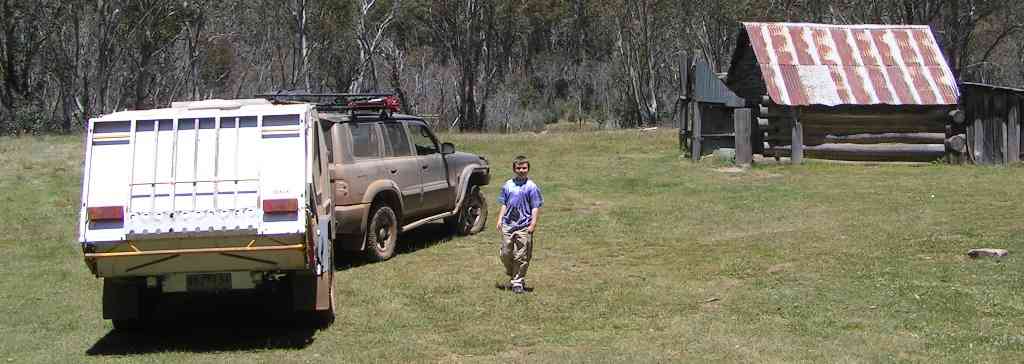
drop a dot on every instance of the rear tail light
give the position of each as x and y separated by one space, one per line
106 213
284 205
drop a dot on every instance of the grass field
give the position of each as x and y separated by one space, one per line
640 257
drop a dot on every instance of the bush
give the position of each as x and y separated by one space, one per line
29 118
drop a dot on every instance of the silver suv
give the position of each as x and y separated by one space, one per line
389 174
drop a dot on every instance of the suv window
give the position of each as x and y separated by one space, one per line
397 143
423 140
365 141
325 130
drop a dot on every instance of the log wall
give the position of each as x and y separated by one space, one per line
856 133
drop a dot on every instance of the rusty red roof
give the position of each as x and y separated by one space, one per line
819 64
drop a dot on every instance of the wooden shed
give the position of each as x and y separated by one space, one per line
992 133
712 105
848 92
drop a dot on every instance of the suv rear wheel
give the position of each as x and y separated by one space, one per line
472 215
382 232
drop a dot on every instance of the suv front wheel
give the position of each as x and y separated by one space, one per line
382 233
472 216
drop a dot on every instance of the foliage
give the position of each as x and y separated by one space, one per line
619 60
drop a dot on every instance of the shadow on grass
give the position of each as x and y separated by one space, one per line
505 286
423 237
213 323
198 323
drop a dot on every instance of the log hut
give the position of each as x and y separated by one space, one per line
992 131
846 92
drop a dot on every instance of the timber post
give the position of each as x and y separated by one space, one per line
744 149
685 98
797 144
695 133
684 111
1013 133
1001 123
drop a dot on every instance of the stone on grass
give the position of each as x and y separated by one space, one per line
987 252
725 154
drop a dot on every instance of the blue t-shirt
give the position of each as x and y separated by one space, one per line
520 198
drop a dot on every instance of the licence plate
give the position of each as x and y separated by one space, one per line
208 282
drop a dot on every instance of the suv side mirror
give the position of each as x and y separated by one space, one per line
447 148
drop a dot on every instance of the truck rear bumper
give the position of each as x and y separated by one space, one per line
196 251
149 258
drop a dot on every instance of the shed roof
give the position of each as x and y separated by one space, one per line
707 87
993 87
819 64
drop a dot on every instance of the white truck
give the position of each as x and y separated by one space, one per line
208 196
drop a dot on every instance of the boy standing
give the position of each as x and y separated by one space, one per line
520 201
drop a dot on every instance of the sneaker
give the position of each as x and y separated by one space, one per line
518 289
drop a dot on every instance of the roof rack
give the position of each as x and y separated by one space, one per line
384 103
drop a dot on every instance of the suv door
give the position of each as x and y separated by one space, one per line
437 192
402 166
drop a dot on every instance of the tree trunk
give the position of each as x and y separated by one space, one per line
302 56
395 60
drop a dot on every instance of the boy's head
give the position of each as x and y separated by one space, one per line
521 166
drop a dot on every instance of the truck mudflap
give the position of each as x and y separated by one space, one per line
324 248
313 290
325 268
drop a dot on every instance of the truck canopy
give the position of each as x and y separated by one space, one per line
207 168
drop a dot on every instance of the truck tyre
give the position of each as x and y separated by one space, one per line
128 303
127 324
472 216
382 233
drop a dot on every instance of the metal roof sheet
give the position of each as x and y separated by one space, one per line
820 64
707 87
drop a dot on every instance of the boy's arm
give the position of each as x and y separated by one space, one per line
500 215
537 201
502 198
533 220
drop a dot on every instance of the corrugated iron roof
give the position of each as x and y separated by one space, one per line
707 87
820 64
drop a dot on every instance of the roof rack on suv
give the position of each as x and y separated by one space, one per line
371 103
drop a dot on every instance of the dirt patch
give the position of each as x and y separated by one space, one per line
779 268
716 292
592 207
764 174
738 235
730 170
737 171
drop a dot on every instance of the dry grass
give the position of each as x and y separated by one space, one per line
641 257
